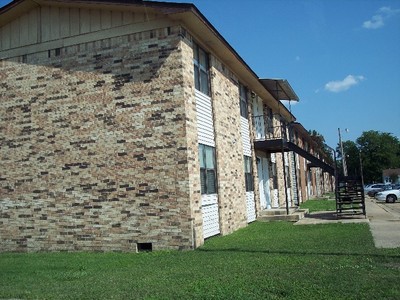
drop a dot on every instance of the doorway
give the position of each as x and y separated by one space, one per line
263 182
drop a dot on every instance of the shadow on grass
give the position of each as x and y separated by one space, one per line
285 252
332 215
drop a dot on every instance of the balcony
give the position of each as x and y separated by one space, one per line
281 139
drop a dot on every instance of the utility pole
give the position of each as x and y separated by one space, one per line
343 155
361 169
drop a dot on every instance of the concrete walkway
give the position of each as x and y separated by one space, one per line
384 223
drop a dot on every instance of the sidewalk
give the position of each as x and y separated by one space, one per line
384 223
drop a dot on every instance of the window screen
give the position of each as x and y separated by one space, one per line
248 174
243 101
200 62
208 176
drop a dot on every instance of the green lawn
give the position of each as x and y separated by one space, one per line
319 205
274 260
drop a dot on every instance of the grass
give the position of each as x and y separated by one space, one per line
275 260
320 204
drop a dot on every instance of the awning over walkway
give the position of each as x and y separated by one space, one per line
280 89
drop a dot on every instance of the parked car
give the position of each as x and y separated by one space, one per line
374 191
389 196
374 187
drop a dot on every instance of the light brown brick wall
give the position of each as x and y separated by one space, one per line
93 148
192 141
229 148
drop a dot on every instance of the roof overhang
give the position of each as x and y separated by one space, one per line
280 89
190 17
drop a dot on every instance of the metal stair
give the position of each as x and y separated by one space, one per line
350 198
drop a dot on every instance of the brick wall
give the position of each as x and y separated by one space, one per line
93 147
192 141
229 148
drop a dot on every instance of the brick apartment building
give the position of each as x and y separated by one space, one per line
129 125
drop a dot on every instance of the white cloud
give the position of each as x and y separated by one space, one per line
343 85
375 22
378 20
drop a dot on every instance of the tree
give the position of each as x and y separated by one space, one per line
352 153
320 141
379 151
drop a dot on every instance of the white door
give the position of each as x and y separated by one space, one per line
263 183
259 118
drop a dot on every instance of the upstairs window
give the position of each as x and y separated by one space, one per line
274 176
270 117
248 174
201 78
243 101
208 174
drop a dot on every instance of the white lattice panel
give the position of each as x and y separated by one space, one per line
275 199
210 220
251 208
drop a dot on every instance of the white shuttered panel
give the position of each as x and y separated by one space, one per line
210 215
293 177
205 125
205 133
245 130
251 209
275 198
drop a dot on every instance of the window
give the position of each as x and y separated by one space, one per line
208 174
270 117
243 101
274 173
200 61
248 174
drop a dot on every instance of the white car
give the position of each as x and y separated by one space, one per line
373 187
388 196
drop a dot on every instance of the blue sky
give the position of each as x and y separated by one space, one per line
341 57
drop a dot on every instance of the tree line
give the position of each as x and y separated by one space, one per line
371 153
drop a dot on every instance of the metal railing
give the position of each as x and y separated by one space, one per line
270 132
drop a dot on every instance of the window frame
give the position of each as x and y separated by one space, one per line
201 69
274 175
248 173
270 120
206 171
244 108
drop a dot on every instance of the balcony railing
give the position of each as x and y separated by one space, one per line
266 131
282 139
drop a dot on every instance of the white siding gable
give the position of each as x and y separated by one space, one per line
49 23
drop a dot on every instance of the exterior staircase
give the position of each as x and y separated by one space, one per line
279 214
